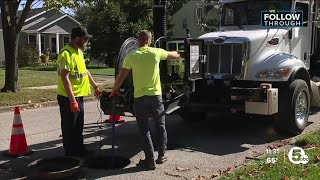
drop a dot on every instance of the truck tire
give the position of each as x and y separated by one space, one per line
294 107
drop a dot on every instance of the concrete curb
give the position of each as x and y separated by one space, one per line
40 105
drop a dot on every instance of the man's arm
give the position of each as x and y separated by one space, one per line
92 82
173 55
120 78
67 85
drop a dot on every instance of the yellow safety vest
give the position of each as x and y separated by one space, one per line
73 61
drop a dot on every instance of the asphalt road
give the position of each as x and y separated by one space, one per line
195 149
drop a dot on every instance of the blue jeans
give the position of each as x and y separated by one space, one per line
72 126
146 107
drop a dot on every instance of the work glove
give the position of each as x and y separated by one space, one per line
114 93
97 92
74 106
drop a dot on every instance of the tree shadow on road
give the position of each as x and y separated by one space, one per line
221 135
216 136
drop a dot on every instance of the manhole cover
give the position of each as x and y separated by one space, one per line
105 162
54 168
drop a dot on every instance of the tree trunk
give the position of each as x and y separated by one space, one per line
11 63
12 25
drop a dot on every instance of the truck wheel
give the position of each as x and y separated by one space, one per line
294 107
191 116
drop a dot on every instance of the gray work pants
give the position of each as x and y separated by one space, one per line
146 107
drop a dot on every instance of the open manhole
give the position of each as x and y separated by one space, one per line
105 162
54 168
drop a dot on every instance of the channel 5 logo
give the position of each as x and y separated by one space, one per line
298 156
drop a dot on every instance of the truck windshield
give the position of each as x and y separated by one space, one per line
249 12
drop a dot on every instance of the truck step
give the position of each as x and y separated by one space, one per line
315 79
315 96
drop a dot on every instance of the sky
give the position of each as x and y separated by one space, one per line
39 4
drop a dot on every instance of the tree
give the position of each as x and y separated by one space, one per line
12 23
112 23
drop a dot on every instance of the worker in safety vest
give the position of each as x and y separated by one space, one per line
144 63
74 82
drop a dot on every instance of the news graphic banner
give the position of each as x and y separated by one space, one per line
279 19
296 156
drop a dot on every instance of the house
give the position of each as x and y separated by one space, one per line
44 29
184 19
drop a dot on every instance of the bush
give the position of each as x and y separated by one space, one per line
27 55
43 58
53 57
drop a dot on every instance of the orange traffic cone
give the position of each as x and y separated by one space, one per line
18 143
117 119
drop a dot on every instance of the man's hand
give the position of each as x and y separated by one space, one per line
182 54
173 55
115 92
97 92
74 106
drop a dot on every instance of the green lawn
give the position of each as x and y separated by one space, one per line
36 96
28 78
102 71
24 95
40 77
34 78
283 168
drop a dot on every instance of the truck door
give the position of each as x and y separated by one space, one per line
301 42
194 59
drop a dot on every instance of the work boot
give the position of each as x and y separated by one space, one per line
161 159
147 163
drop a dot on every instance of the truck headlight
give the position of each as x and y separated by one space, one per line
282 73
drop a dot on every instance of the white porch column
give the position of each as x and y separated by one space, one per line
39 43
57 43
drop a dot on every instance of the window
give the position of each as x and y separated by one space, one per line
66 40
180 46
172 46
249 12
305 8
42 43
53 42
32 40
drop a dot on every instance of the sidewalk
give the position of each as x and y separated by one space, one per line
100 80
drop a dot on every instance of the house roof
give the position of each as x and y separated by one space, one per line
39 18
40 24
32 13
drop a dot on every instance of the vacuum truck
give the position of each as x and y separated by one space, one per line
244 67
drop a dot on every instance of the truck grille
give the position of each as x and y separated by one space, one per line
225 58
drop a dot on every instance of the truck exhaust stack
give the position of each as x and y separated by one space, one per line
160 18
